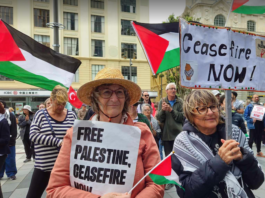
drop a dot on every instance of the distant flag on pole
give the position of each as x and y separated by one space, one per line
249 6
25 60
160 43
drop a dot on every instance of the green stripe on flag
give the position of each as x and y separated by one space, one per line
171 59
15 72
160 180
250 10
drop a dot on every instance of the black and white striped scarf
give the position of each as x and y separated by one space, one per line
192 151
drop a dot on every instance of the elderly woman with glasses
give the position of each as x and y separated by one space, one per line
208 165
155 128
109 95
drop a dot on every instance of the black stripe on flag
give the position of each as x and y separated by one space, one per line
160 28
42 52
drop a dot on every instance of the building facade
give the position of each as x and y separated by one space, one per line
97 32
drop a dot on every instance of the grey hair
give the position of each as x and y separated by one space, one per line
147 105
168 85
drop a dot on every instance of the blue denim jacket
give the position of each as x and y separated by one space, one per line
247 117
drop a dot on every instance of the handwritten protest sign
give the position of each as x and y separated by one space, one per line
221 58
103 156
258 112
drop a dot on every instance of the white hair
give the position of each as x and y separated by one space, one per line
147 105
168 85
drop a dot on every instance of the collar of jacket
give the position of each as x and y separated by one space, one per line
176 97
220 129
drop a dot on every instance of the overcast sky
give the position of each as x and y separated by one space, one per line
161 9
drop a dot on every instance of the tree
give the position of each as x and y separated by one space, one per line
173 75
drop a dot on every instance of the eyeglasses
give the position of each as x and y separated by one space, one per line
171 89
204 109
147 110
107 93
146 95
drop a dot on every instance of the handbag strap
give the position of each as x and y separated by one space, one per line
53 134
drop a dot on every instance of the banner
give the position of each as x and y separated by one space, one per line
18 107
103 156
221 58
257 112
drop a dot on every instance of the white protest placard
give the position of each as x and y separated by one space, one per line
221 58
258 112
103 156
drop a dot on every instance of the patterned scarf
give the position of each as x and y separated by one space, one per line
192 152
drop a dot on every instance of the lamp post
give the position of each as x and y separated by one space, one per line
55 26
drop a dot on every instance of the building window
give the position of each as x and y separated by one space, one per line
97 23
3 78
126 28
6 14
98 48
129 50
71 2
70 21
219 20
99 4
128 6
71 46
251 26
47 1
41 17
126 73
76 76
45 40
96 69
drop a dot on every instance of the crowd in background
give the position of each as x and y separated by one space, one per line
165 119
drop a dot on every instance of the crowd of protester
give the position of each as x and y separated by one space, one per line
175 125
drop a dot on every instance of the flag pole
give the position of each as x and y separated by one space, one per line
228 99
150 172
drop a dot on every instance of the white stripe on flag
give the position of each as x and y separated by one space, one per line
173 39
42 68
173 176
255 3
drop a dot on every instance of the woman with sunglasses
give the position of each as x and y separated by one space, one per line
109 95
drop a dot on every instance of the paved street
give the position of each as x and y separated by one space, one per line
19 187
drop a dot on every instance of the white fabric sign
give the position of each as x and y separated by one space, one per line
220 58
103 156
258 112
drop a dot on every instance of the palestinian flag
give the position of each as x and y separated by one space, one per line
25 60
160 43
249 6
164 173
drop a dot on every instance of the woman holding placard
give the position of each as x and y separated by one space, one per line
109 95
212 166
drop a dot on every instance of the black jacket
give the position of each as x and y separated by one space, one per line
4 137
238 120
13 130
88 115
201 182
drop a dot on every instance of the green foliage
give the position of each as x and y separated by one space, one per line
187 17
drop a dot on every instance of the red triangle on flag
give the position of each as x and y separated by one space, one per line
238 3
9 50
163 169
155 46
73 99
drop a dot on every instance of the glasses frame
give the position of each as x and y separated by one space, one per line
210 107
112 91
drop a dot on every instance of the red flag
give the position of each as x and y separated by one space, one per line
73 99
